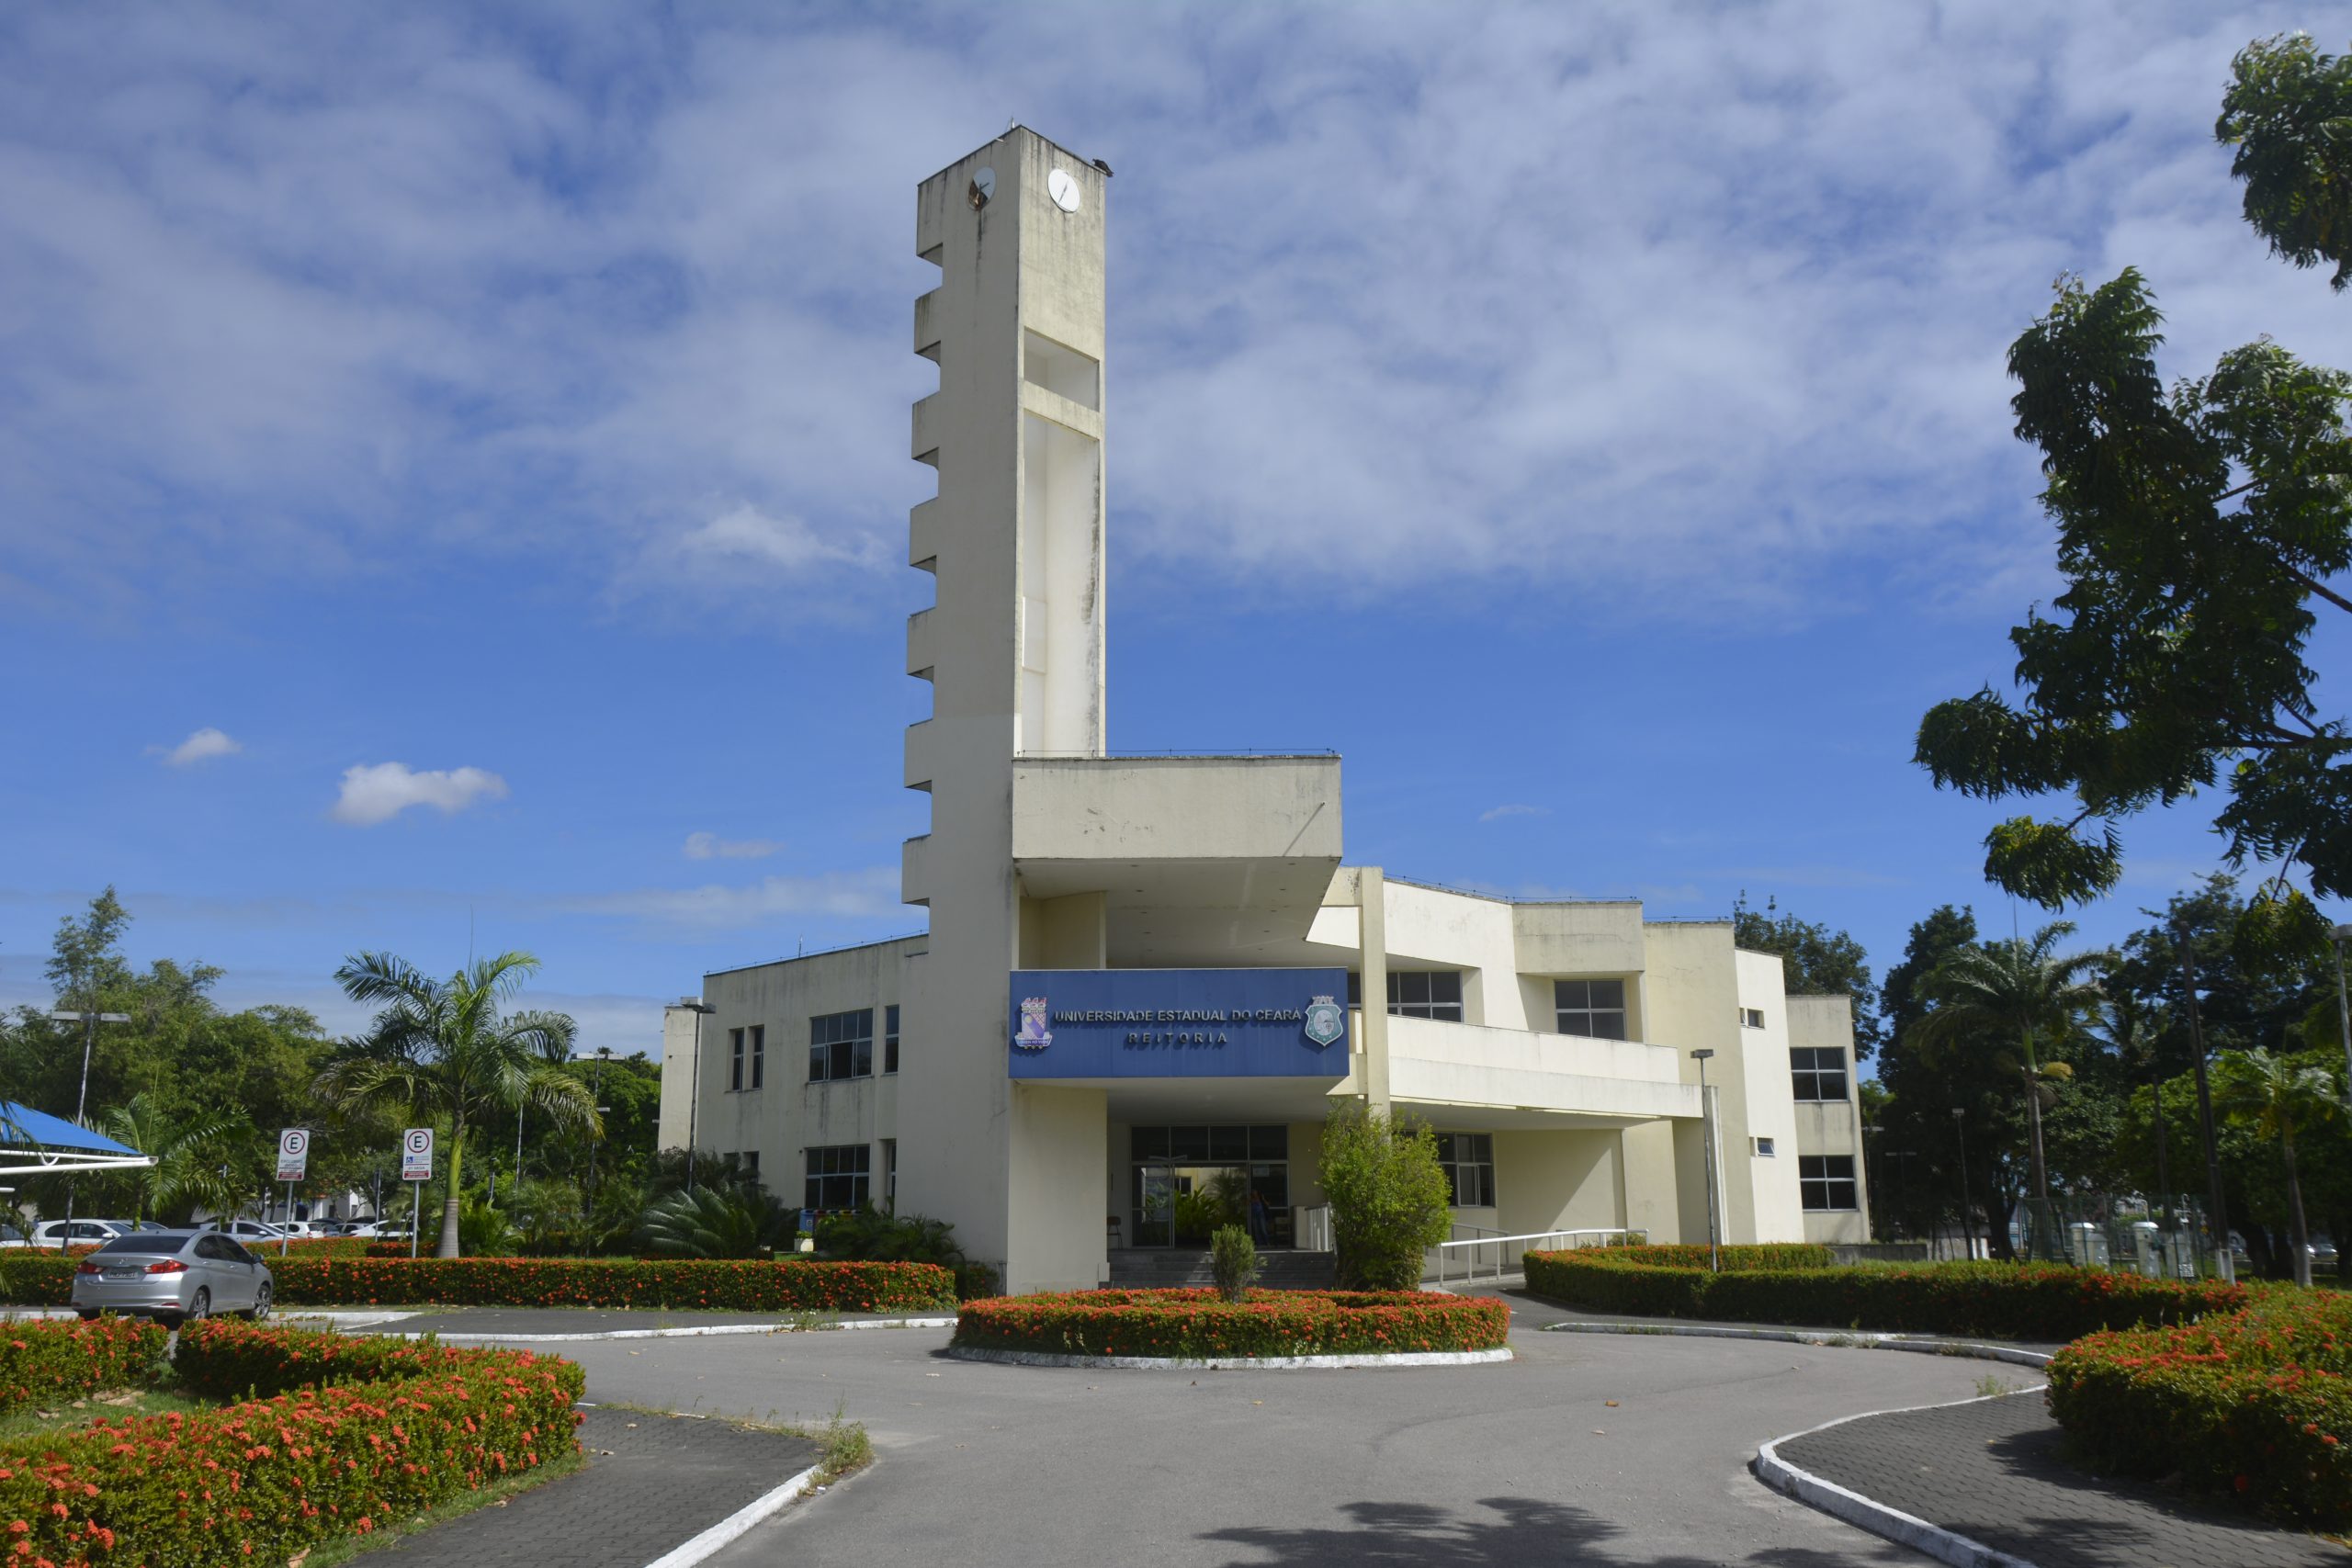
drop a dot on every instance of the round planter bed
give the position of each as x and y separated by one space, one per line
1197 1329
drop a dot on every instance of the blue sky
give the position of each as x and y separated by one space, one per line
1589 420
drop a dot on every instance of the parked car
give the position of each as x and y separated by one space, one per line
253 1230
379 1230
172 1276
52 1234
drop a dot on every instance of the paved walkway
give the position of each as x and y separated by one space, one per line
1991 1470
461 1321
652 1482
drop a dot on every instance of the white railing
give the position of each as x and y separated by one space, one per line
1503 1244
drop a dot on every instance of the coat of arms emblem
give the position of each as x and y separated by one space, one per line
1034 1034
1326 1022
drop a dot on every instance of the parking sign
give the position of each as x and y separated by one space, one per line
293 1154
416 1154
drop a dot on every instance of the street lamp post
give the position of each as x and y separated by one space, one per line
693 1097
1707 1131
596 1092
1959 1137
89 1022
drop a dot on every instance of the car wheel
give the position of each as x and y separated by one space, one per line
261 1305
201 1305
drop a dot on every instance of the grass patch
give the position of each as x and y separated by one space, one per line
71 1415
343 1548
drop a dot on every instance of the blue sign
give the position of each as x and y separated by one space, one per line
1178 1024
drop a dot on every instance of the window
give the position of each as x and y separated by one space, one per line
1826 1181
752 1162
890 1168
890 1039
1594 1009
1765 1149
840 1177
734 1060
1820 1071
759 1055
1426 993
840 1045
1469 1161
1751 1018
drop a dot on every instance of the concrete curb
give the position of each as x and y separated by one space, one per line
735 1524
1865 1513
1834 1338
691 1332
1237 1363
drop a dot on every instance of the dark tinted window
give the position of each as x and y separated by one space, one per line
147 1241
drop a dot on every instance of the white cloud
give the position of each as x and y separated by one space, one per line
1496 813
374 793
711 846
203 745
858 895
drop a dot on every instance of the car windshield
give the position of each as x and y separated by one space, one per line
147 1241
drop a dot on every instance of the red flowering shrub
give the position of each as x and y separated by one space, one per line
2046 1303
754 1285
260 1480
65 1361
2255 1406
1201 1324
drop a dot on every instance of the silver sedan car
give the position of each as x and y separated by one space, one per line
172 1276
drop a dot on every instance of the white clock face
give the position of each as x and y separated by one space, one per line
1063 189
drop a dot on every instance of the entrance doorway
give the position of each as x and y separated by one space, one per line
1188 1182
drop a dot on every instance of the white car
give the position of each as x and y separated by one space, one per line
51 1233
379 1230
251 1231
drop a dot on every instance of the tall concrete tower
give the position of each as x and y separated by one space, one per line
1014 651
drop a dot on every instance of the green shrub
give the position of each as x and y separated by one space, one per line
975 1281
63 1361
259 1482
1202 1325
1390 1199
2037 1302
868 1235
2254 1407
718 1221
1233 1261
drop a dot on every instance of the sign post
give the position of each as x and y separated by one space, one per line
416 1170
293 1158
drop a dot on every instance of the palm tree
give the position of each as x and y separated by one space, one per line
2017 989
445 1048
196 1156
2276 1093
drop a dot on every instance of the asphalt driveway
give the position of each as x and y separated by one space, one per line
1522 1463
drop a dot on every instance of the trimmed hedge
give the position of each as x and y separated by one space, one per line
259 1481
2038 1301
798 1285
1735 1260
2255 1406
66 1360
1203 1324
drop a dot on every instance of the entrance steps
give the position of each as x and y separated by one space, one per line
1156 1269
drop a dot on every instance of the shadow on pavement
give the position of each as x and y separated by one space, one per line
1514 1532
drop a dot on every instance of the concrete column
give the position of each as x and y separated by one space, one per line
1373 961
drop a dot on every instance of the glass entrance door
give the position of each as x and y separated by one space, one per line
1155 1205
1189 1182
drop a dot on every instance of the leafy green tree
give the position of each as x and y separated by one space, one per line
2289 114
447 1048
2012 991
2277 1094
719 1222
199 1158
1390 1199
1815 962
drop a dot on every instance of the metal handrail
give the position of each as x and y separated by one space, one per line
1470 1272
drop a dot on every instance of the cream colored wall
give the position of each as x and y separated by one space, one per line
677 1086
1832 1128
1647 1157
1776 1203
1060 1145
1431 929
1569 1181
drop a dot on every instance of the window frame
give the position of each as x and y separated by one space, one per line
734 1061
1471 1154
1811 1074
759 1055
890 1039
1589 1009
840 1045
1430 1003
851 1164
1816 1179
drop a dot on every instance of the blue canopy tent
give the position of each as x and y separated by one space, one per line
33 1142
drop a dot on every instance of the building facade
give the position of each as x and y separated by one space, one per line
1147 978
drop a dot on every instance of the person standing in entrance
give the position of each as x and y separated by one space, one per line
1261 1230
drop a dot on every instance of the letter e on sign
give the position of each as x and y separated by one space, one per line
416 1154
293 1154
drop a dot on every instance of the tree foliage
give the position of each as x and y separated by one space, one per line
1816 961
2289 114
1389 1197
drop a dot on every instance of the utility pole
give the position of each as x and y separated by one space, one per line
2217 1214
694 1079
1707 1130
1960 1139
2343 1004
89 1022
596 1093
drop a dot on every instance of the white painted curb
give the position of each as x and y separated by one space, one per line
691 1332
1835 1338
1236 1364
1866 1513
735 1524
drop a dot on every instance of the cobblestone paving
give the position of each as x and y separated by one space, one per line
1991 1472
652 1482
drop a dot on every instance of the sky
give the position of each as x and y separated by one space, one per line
454 464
